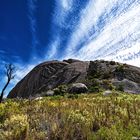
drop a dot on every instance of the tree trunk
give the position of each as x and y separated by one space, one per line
2 93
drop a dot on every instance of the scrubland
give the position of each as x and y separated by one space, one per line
71 117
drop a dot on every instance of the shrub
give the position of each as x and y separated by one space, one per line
94 89
120 87
72 96
60 90
85 117
93 82
106 75
15 127
120 68
112 62
107 84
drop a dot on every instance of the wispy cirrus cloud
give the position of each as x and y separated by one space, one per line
60 26
88 20
32 7
66 16
62 9
100 29
115 33
52 53
105 29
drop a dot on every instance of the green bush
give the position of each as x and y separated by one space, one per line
112 62
106 75
94 89
72 96
107 84
120 87
60 90
120 68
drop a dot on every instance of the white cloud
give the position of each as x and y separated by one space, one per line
128 55
120 32
53 48
62 9
33 25
88 20
66 4
114 32
21 71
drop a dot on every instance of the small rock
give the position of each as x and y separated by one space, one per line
107 92
38 98
78 88
48 93
135 138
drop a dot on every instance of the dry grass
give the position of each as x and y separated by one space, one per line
82 117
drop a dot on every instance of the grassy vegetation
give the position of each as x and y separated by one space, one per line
80 117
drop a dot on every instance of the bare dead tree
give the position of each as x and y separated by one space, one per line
9 71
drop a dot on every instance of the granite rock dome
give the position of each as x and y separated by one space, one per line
51 74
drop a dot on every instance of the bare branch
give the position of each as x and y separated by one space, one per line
9 71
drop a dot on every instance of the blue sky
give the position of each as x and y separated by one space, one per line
33 31
25 28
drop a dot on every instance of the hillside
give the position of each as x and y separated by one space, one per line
97 74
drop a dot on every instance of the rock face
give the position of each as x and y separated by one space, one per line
78 88
51 74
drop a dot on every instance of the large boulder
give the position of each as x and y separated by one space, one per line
78 88
127 85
